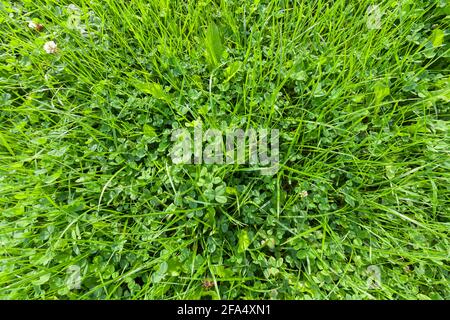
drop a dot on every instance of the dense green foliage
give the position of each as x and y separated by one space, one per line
86 178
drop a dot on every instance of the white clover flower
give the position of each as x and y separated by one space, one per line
304 194
373 17
73 8
50 47
35 26
83 32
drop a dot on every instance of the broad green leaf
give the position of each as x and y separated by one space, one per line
214 45
153 88
53 177
149 131
243 241
381 91
231 70
43 279
231 190
437 37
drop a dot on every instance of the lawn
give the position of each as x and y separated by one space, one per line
92 205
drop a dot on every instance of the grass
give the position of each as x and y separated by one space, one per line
87 183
